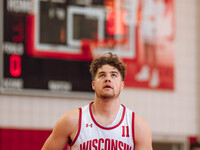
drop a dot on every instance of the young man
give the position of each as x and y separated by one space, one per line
104 124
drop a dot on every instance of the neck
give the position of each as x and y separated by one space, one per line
105 110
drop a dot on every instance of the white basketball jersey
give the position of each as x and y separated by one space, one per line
93 136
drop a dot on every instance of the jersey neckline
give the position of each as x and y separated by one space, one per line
103 127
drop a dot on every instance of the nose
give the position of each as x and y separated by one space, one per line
107 80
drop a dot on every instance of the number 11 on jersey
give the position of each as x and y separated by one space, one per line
125 131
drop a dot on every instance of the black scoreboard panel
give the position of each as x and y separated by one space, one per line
47 45
54 14
25 74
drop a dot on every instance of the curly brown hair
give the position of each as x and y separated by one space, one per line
107 59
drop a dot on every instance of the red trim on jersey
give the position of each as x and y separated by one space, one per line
106 128
133 133
79 128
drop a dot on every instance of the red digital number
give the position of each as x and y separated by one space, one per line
15 65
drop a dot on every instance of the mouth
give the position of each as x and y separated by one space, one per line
107 87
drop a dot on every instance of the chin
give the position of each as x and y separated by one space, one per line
107 96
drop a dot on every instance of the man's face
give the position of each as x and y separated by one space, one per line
108 82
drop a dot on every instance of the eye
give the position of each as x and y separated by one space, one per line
113 75
101 75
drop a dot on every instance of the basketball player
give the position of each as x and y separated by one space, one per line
104 124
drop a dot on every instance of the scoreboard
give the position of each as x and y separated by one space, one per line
47 45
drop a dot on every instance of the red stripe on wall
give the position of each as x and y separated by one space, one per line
23 139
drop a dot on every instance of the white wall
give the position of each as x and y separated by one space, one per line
198 66
167 112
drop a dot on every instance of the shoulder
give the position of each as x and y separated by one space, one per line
140 123
68 122
69 118
64 128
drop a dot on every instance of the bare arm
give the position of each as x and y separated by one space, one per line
64 129
143 137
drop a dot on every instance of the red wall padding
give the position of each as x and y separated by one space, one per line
23 139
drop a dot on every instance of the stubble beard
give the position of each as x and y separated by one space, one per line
107 96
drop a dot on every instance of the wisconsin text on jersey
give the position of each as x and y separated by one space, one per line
104 144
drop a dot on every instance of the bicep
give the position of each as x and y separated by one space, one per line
143 137
62 131
53 143
57 140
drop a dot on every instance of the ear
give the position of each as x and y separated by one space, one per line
93 85
122 85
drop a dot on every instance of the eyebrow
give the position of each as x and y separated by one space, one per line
109 72
114 72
